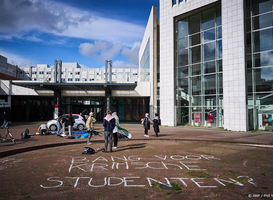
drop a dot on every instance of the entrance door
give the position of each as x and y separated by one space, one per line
98 112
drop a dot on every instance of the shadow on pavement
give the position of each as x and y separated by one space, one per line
132 146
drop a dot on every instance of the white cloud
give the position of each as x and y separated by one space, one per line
122 64
59 19
16 59
132 53
100 51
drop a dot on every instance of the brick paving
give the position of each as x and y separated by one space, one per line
182 163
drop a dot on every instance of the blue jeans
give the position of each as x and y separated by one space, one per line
59 127
106 135
70 130
90 134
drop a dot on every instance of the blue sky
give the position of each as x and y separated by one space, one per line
85 31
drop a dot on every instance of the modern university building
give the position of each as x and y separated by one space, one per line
47 91
201 63
212 63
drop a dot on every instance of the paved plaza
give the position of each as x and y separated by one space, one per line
182 163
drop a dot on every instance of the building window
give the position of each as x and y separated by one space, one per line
69 79
259 63
145 64
199 87
77 79
77 73
174 2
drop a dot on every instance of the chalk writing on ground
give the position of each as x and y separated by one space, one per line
89 166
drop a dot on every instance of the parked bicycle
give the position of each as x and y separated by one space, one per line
7 132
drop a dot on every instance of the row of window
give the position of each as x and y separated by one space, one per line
174 2
78 73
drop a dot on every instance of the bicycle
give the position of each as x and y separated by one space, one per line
6 126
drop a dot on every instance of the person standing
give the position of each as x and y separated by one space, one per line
90 126
156 123
70 122
59 124
146 124
63 124
115 131
109 125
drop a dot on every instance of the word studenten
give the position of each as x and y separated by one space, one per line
56 182
134 162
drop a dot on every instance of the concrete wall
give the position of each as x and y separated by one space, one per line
234 83
150 34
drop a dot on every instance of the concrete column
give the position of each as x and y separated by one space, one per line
167 78
234 78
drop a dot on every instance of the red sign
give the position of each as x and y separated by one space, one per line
197 117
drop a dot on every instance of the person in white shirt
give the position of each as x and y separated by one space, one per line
42 129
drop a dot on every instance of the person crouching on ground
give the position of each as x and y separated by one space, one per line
115 131
42 129
146 124
156 123
90 126
109 125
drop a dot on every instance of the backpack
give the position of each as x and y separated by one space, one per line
88 150
25 134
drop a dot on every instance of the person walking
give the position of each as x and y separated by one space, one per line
115 131
8 133
5 120
156 123
70 122
146 124
90 126
109 125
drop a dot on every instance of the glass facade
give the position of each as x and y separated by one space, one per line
259 62
198 67
145 64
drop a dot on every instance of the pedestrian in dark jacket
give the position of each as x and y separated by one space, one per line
156 123
115 131
109 125
146 124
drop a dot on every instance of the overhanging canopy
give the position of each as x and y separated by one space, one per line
75 86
